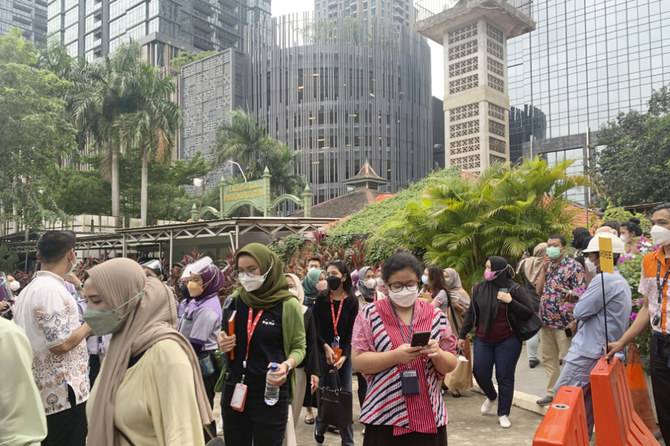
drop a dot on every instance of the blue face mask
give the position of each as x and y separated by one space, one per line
108 321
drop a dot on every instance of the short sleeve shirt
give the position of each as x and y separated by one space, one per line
659 305
201 322
556 306
49 314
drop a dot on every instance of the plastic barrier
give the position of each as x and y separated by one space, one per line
564 424
637 383
617 423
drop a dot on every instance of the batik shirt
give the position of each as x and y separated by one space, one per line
48 314
557 305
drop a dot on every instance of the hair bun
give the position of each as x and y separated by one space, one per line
635 220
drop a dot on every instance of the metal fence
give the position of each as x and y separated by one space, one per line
427 8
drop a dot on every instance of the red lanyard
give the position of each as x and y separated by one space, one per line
252 322
336 320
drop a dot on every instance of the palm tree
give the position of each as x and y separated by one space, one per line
150 128
242 140
105 95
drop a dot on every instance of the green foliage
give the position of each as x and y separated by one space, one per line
622 215
368 220
640 144
287 247
34 129
243 141
186 57
506 211
8 259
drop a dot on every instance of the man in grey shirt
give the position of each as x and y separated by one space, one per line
588 345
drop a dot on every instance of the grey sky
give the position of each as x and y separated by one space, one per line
280 7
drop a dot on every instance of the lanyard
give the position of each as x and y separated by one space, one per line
661 285
336 320
251 328
401 326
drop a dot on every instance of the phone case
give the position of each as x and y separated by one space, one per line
239 399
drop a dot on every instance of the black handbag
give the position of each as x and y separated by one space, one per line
528 328
335 404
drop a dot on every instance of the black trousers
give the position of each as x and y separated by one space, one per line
259 424
659 365
93 368
210 383
383 436
69 426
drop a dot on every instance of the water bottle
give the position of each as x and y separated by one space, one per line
271 392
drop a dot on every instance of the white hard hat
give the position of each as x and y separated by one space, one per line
618 246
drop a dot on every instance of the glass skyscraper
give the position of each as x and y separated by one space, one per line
30 16
94 28
587 61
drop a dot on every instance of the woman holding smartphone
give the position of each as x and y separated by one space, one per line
498 307
334 314
405 347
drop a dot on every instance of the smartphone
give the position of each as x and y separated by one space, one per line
420 339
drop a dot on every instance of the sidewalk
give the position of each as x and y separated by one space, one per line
466 426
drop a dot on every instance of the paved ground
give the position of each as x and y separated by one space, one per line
466 426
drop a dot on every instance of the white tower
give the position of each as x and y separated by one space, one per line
474 34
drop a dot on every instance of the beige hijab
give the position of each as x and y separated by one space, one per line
298 286
151 318
532 266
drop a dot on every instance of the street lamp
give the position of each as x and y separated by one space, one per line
239 167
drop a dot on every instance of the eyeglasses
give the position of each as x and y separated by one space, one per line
397 287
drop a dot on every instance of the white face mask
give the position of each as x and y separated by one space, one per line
660 235
252 282
590 266
370 284
625 238
14 285
404 298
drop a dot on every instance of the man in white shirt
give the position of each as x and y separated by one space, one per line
48 313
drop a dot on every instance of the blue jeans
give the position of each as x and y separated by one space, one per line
504 355
347 434
577 373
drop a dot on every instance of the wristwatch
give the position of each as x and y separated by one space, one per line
288 366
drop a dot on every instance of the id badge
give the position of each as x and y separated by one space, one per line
410 382
239 399
338 353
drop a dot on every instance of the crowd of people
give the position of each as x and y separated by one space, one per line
127 356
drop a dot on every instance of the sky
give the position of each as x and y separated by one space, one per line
280 7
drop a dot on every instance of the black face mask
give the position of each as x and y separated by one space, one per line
334 282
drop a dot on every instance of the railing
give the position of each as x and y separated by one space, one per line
425 9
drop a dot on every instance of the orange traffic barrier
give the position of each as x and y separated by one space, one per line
637 383
617 423
564 424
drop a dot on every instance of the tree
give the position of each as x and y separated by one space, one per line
504 212
243 141
150 128
34 129
637 144
107 93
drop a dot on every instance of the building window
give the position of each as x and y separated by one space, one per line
494 49
497 145
497 128
497 112
496 83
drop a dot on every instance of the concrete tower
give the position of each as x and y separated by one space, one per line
474 34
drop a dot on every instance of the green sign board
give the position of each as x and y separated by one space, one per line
253 192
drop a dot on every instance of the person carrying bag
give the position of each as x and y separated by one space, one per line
335 403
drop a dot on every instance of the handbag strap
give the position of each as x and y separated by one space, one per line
338 381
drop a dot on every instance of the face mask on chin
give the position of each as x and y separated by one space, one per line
590 266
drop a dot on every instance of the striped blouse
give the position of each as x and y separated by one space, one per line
377 330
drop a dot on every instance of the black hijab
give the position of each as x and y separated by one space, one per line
486 293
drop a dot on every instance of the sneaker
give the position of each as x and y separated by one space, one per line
547 400
533 363
504 421
488 407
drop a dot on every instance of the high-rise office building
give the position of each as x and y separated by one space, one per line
400 12
94 28
30 16
342 91
586 62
